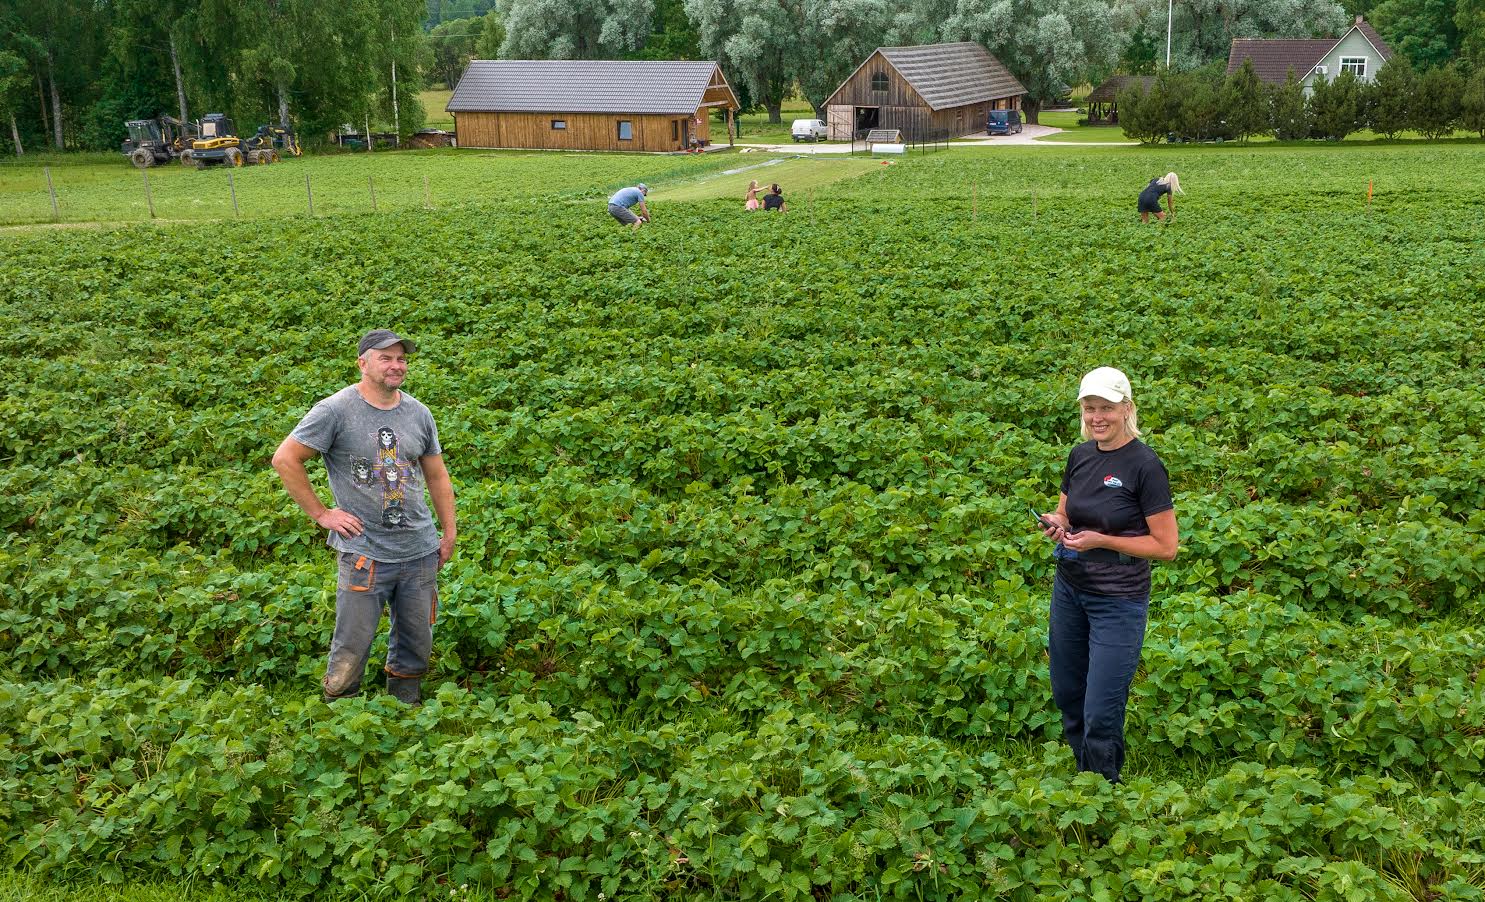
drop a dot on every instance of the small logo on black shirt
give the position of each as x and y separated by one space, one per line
1113 482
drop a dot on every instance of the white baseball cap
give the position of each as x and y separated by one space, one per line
1107 383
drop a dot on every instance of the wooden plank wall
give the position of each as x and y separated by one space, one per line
902 107
857 89
585 131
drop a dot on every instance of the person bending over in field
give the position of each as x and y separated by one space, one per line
774 200
1169 185
619 206
1114 514
380 447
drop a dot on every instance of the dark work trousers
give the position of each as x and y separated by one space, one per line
1094 644
409 592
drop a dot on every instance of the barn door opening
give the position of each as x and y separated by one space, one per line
867 118
685 134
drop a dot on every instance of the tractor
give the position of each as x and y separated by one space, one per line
219 143
153 142
277 138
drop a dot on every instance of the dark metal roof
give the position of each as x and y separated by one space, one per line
949 75
582 86
1109 90
1273 58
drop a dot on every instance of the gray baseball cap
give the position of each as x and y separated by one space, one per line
377 339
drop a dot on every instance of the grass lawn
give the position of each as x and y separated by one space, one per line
1073 133
433 105
798 176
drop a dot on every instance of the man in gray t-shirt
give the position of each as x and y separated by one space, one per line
380 447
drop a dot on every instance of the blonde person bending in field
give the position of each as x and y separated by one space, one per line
1169 185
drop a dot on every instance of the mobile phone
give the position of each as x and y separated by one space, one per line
1040 522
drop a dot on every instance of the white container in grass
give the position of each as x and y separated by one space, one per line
889 148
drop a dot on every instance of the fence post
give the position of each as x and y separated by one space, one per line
148 197
56 214
309 192
232 186
427 205
371 186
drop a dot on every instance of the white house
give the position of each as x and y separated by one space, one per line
1360 51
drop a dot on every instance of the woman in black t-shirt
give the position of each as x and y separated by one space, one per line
1114 515
774 200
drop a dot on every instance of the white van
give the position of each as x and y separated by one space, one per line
808 130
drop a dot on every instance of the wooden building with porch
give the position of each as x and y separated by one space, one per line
624 105
934 90
1103 101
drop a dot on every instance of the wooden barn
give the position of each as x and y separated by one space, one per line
928 91
626 105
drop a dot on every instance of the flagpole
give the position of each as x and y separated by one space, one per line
1169 15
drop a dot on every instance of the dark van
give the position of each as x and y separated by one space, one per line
1003 122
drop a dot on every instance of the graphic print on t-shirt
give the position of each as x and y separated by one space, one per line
1113 482
392 474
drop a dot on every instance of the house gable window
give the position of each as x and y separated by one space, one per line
1356 65
626 130
879 82
559 125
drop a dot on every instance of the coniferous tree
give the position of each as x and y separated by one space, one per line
1390 110
1289 115
1436 106
1337 107
1472 103
1246 106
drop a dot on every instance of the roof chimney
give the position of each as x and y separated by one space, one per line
1360 19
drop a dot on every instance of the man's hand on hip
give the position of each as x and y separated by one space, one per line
336 520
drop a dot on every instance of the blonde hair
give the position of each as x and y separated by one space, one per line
1173 180
753 185
1131 421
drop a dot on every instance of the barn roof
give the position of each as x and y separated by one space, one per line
584 86
1109 90
1273 58
949 75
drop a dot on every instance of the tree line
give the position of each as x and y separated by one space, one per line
71 71
1203 105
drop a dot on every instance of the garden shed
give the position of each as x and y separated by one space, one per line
929 91
626 105
1103 101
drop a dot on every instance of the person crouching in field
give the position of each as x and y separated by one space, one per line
1114 515
774 200
380 447
619 206
1169 185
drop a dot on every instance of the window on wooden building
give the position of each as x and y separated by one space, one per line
626 130
879 82
675 129
559 124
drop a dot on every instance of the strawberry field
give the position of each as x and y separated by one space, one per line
745 604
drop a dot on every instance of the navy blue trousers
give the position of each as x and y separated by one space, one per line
1094 644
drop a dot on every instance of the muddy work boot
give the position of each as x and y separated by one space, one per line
408 690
